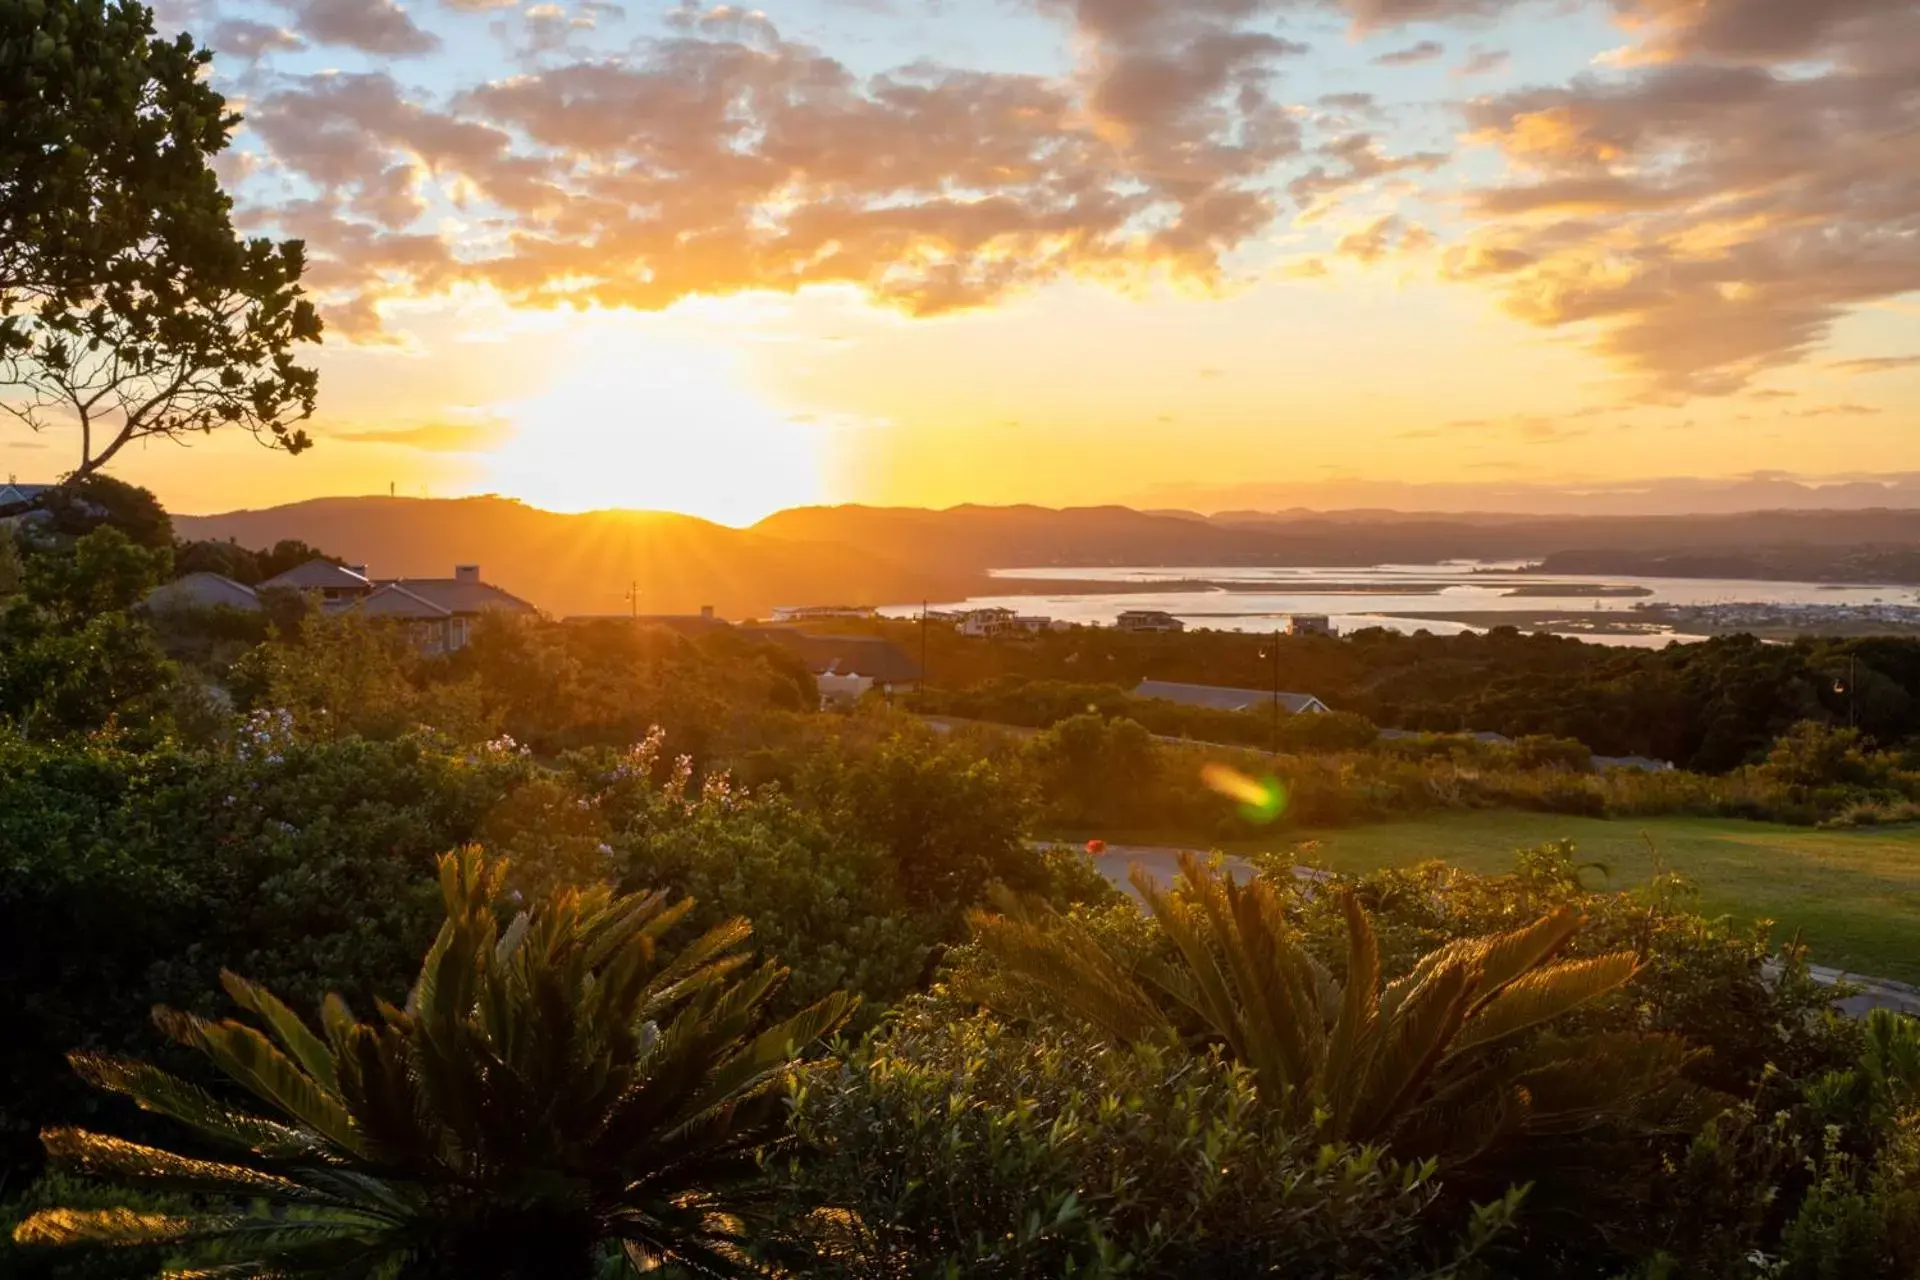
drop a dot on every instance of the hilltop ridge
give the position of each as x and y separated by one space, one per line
853 554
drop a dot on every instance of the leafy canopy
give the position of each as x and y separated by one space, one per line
129 309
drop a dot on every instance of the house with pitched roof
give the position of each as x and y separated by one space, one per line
16 502
440 612
845 667
337 585
1222 698
203 591
19 491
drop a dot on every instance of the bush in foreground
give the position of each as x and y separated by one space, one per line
551 1091
956 1145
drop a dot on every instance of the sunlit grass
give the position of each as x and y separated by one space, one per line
1852 896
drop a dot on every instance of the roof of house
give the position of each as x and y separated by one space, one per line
1645 764
391 600
451 595
203 591
1221 698
869 656
20 491
1478 735
317 575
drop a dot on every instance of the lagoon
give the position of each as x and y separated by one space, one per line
1400 597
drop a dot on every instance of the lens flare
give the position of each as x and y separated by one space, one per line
1261 799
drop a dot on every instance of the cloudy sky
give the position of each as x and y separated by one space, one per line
929 251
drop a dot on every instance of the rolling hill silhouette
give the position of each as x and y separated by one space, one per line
584 564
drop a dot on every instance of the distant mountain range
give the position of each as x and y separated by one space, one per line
588 563
574 564
1674 495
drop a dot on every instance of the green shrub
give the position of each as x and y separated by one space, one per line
1094 770
956 1145
130 879
950 822
830 906
1860 1222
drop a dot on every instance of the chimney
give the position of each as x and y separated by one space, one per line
357 568
706 612
466 573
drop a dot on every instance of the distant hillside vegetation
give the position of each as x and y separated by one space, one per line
574 564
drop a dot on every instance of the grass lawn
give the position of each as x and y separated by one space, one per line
1854 896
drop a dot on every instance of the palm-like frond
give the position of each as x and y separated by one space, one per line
561 1075
1420 1063
1047 961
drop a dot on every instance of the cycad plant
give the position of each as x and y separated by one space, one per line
1436 1063
554 1093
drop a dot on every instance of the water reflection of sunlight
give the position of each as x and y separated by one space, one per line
636 419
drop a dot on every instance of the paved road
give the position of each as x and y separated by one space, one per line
1162 865
947 724
1869 993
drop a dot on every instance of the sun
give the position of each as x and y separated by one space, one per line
637 418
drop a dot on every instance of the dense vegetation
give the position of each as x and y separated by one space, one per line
595 950
209 796
1707 707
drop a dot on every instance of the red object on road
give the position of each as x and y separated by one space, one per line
1096 847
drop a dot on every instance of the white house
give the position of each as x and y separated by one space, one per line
982 623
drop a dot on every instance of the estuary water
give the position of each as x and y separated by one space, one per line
1401 597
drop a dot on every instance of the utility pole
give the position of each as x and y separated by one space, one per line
633 599
923 644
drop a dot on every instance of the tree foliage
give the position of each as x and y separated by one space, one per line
129 309
1709 707
72 660
78 507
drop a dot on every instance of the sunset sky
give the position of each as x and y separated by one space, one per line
725 260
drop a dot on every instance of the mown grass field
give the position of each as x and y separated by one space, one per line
1854 896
